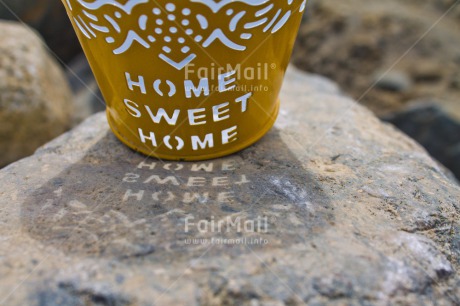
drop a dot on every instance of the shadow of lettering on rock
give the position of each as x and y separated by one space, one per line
116 203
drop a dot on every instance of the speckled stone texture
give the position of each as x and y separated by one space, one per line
347 211
36 103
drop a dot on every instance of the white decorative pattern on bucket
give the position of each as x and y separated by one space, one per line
164 24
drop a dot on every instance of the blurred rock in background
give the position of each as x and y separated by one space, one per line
83 85
386 54
354 42
36 103
49 18
429 125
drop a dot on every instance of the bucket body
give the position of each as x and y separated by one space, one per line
188 79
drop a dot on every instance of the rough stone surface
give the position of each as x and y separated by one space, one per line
35 101
357 214
49 18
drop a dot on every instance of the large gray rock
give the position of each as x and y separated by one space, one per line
351 212
35 101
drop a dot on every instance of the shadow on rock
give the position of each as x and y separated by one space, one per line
124 205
